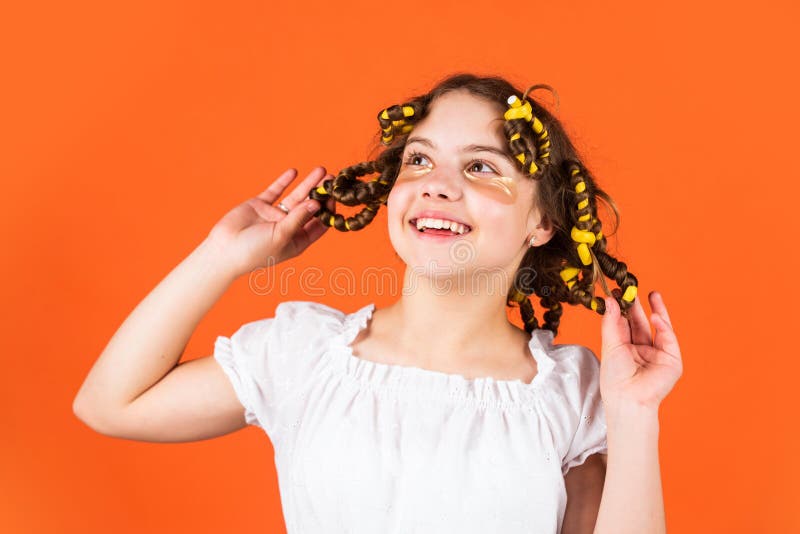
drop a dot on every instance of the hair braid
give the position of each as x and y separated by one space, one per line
347 189
618 270
520 120
596 263
552 317
550 299
393 120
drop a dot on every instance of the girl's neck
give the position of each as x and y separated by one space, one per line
452 328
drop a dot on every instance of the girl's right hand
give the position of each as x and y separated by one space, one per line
258 234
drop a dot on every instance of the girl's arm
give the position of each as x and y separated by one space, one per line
150 341
584 485
125 392
632 501
638 369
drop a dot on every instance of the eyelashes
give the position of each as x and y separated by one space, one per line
411 156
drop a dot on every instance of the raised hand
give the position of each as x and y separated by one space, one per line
636 367
257 233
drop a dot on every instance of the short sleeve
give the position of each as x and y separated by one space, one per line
245 358
590 433
271 362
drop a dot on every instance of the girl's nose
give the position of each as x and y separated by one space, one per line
441 183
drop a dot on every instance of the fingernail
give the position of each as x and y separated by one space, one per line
312 206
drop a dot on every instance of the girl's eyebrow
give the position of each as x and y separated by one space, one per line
467 148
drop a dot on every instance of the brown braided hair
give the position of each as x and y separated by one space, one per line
567 194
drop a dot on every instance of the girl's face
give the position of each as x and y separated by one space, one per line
455 168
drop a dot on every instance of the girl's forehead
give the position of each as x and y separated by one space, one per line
483 138
461 126
459 131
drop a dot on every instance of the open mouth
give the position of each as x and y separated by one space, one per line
459 229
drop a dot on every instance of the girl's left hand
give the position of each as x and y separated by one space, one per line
634 367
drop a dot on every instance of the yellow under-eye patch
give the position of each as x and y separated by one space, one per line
495 182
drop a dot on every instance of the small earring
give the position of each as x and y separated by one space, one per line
533 238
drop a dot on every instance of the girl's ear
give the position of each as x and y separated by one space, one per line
544 230
546 225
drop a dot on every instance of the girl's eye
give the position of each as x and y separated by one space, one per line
413 157
479 163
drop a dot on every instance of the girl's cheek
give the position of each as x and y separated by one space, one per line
400 192
504 188
411 174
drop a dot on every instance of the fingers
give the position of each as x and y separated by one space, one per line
330 203
296 219
314 229
665 338
640 326
615 328
276 188
300 192
657 305
272 193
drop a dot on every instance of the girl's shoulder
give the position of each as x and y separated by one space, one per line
271 360
576 369
316 317
308 309
303 324
296 328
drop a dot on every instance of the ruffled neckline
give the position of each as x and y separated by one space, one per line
484 390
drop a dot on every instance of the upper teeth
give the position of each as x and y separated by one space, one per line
441 223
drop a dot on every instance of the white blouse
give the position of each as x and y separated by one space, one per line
367 447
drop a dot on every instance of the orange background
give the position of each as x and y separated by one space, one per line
128 131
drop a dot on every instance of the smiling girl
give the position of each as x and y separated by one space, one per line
436 413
